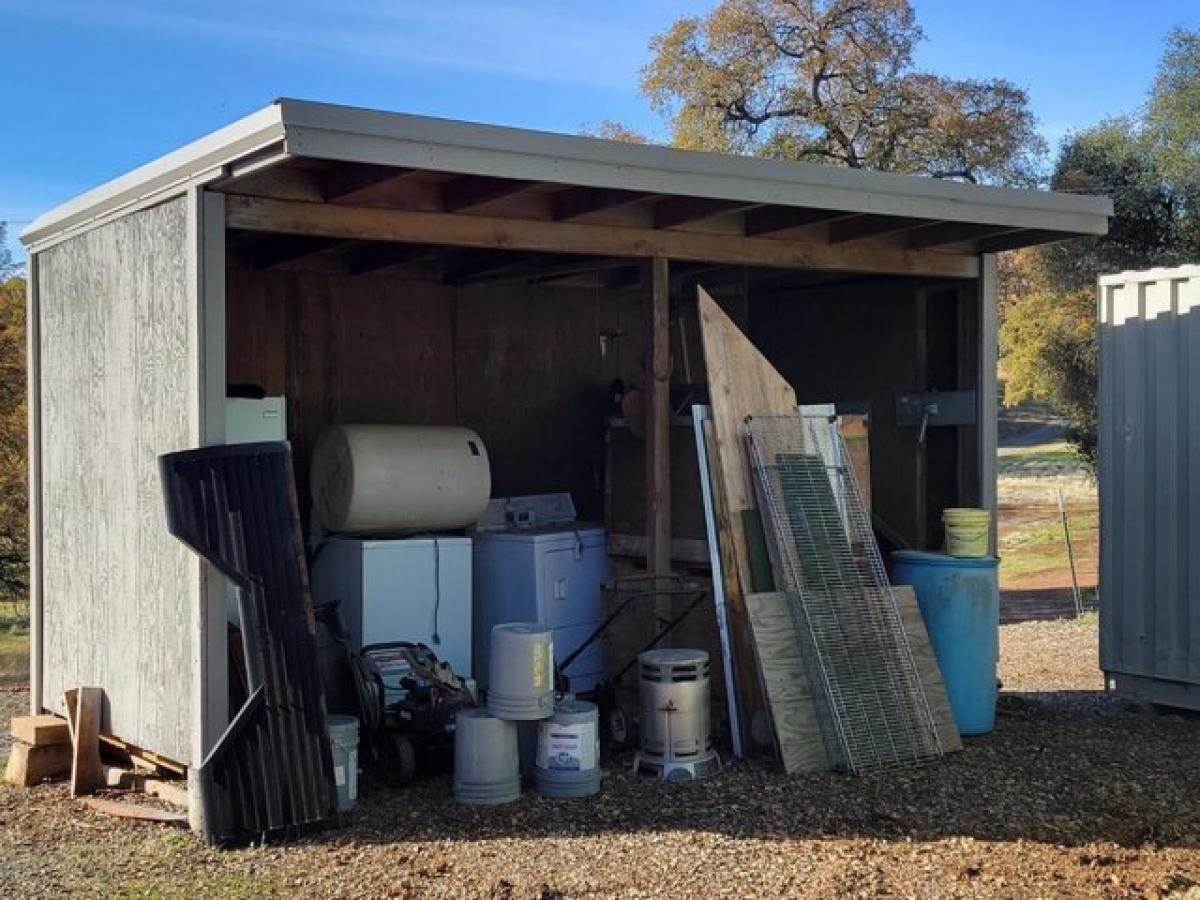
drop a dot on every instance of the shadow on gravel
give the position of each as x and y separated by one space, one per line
1037 605
1061 768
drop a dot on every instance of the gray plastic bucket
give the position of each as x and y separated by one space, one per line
343 742
485 759
521 672
568 751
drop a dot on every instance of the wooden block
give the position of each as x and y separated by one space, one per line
927 667
786 685
124 779
40 731
133 811
29 765
87 771
173 792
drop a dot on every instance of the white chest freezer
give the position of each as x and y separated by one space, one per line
403 589
550 575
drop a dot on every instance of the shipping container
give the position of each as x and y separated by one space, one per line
1150 484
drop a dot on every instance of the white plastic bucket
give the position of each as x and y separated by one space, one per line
343 743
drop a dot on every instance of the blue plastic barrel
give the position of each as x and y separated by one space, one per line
960 603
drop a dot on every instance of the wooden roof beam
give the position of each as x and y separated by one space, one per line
577 202
276 251
860 228
1021 238
367 223
773 220
941 234
671 212
373 256
350 183
470 266
469 191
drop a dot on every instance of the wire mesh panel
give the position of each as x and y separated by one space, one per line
872 704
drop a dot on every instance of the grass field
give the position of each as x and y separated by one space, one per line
1033 552
1039 459
14 655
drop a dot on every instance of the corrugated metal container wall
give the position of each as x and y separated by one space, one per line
1150 484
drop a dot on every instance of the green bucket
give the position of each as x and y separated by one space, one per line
967 531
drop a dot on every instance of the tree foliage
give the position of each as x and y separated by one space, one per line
834 81
1048 333
14 543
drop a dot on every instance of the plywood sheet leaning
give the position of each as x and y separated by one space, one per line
785 682
927 667
741 382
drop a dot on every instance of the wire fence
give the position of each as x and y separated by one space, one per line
1048 569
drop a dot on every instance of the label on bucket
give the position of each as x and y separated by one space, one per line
543 661
339 775
566 748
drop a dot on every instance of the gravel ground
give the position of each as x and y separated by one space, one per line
1074 795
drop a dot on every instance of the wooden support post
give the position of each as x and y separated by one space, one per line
988 391
658 428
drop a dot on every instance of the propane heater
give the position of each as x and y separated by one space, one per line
675 727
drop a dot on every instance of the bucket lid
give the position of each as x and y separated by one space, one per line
521 628
925 558
570 706
668 656
341 723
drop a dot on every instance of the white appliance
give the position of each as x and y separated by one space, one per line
402 589
535 563
251 421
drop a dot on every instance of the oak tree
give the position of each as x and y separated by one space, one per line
834 81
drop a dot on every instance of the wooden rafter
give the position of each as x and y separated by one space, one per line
279 250
1023 238
345 183
671 212
469 191
577 202
771 220
859 228
369 257
540 267
941 234
468 266
572 237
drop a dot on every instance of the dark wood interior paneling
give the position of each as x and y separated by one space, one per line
523 365
861 343
530 367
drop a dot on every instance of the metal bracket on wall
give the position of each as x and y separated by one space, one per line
936 409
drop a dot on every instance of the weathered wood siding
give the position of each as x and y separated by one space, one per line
117 390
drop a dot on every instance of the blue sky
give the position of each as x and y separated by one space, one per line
93 88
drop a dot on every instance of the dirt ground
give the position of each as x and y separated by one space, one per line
1075 794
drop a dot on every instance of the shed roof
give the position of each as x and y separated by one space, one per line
288 131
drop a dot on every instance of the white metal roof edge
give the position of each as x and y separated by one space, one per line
1159 273
219 148
334 132
330 131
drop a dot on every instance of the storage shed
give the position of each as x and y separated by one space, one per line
1150 484
378 267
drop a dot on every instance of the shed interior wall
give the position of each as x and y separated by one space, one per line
529 366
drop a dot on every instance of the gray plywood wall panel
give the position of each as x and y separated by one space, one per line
117 354
1149 460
